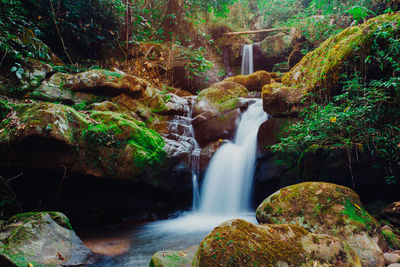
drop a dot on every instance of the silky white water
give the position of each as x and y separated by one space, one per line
227 184
247 59
225 195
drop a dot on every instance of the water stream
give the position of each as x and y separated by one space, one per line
247 59
225 194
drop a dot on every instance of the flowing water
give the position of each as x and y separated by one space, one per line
225 194
247 59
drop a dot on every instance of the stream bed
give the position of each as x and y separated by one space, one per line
139 243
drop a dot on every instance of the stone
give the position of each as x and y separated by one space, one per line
253 82
331 209
394 265
392 212
240 243
391 258
392 240
173 258
281 101
42 238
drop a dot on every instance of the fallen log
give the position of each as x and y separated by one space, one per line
255 32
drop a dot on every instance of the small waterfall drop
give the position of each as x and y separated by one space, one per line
247 59
227 185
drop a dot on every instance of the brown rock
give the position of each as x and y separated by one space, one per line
392 212
252 82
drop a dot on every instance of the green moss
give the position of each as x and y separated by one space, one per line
392 240
323 67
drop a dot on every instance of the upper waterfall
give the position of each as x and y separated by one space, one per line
247 59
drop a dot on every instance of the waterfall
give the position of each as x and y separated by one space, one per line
247 59
227 184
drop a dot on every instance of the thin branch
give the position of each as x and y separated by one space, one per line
12 178
58 31
5 54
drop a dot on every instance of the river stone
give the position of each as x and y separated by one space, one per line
240 243
392 240
42 238
173 258
253 82
394 265
331 209
217 110
391 258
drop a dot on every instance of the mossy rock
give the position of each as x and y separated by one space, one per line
42 239
173 258
323 67
240 243
280 100
221 92
327 208
253 82
391 238
101 143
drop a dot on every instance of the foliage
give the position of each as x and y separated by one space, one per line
196 64
365 115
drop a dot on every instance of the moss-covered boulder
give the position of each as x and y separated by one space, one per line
240 243
100 143
331 209
280 100
217 110
173 258
85 85
42 239
323 67
253 82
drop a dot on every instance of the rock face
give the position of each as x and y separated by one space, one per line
42 238
253 82
217 110
331 209
171 258
240 243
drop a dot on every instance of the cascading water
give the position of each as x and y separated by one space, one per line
247 59
226 194
227 184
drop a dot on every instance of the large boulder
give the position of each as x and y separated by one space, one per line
253 82
100 143
240 243
173 258
280 100
42 239
323 67
331 209
217 111
85 86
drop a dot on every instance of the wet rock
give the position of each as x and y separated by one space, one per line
392 212
253 82
281 101
240 243
42 238
327 209
217 111
208 151
170 258
391 258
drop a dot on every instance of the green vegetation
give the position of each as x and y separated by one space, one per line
359 112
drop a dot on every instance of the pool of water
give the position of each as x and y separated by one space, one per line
137 245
